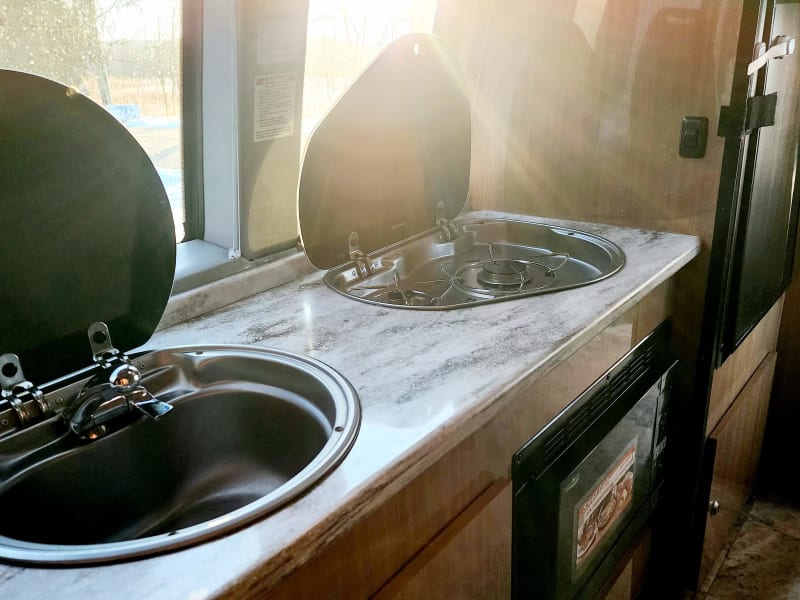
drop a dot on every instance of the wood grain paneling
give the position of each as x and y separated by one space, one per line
363 559
579 106
734 373
738 436
621 590
471 558
652 310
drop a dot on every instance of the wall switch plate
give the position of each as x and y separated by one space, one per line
694 135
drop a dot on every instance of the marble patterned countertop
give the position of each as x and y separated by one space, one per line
426 380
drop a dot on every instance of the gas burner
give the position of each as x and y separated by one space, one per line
503 273
473 279
506 276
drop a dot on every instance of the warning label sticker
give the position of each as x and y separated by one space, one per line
275 106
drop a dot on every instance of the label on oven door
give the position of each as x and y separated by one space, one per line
604 505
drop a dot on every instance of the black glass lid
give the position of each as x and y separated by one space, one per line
394 147
86 231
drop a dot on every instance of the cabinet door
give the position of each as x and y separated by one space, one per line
470 558
738 440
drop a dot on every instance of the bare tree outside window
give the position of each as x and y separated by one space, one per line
124 54
344 36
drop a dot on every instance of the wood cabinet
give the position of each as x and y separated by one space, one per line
471 558
735 447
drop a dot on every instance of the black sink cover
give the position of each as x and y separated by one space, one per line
86 231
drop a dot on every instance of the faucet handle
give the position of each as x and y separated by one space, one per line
148 404
116 388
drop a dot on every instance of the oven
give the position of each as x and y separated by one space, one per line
587 483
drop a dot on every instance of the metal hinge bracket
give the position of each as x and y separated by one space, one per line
20 393
449 230
103 351
360 260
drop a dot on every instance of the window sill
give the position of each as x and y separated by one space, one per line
198 263
206 279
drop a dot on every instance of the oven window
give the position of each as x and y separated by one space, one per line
600 511
598 497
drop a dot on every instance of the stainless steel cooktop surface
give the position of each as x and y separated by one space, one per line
469 262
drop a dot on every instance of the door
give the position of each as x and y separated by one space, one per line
763 245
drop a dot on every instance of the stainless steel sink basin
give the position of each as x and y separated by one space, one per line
250 429
469 261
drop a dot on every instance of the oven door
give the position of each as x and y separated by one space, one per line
582 486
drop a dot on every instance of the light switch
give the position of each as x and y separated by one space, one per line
694 134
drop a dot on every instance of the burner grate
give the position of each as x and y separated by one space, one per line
500 276
397 294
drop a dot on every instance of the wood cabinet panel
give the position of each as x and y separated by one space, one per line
471 558
363 559
738 438
732 376
652 310
611 156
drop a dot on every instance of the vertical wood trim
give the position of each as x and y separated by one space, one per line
652 310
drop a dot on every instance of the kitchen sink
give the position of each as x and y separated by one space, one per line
249 430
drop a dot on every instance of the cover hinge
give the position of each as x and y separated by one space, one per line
360 260
27 401
449 230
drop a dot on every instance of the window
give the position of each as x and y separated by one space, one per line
124 54
193 82
344 36
270 72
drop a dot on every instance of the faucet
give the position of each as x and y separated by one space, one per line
108 395
116 389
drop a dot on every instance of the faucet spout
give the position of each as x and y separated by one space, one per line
108 395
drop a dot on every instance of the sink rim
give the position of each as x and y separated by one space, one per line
348 418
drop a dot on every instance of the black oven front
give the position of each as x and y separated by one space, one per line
586 484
